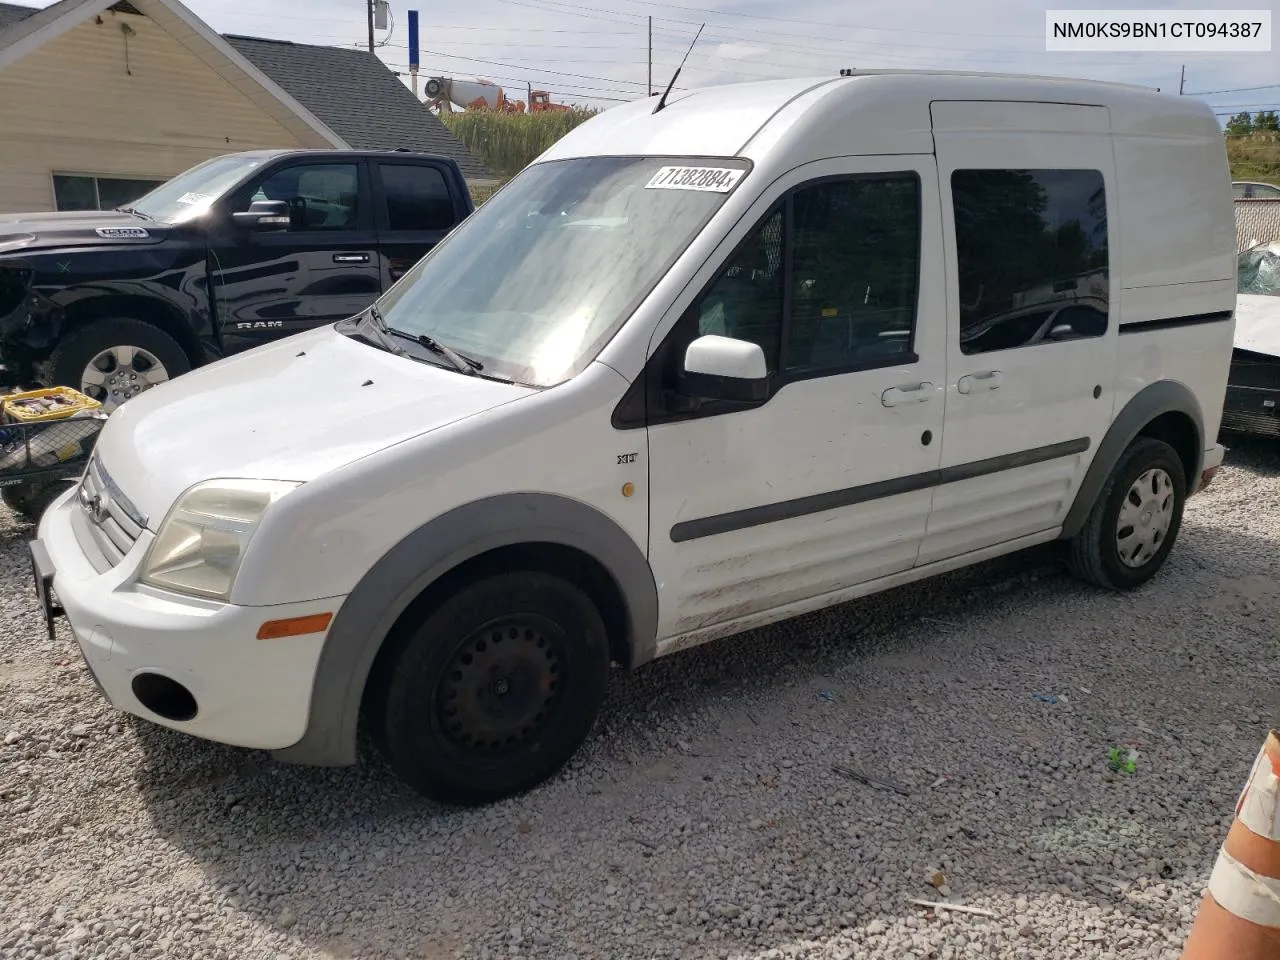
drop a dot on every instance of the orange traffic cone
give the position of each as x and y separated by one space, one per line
1239 918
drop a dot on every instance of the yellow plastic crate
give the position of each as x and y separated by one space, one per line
54 403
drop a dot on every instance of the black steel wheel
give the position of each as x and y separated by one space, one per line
495 690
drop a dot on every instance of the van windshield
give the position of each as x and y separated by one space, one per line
536 281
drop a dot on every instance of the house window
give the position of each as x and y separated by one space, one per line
1031 251
88 192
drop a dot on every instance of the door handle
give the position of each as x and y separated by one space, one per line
908 393
350 258
973 382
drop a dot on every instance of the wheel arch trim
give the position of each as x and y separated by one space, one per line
421 558
1152 401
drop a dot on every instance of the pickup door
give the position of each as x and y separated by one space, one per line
417 204
271 283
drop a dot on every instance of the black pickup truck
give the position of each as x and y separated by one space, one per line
239 250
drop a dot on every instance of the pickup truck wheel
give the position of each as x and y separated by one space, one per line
495 690
1136 519
115 359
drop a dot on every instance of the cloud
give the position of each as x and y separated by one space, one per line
738 51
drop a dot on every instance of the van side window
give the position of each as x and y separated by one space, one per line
826 283
1031 250
855 266
746 301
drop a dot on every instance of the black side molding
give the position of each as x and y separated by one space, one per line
1168 323
818 502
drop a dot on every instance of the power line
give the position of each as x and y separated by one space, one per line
1210 93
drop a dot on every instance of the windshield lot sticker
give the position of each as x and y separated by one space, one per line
122 233
708 179
193 198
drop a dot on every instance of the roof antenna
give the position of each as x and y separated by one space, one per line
663 102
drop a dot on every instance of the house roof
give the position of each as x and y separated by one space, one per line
328 96
358 97
11 13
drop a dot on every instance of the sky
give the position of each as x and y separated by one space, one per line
597 55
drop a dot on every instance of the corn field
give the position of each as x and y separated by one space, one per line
507 142
1255 157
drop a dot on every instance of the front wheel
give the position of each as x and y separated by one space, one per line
495 690
1136 519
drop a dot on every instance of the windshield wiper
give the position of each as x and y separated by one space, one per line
463 364
378 330
136 212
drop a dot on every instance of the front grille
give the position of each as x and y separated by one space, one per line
113 522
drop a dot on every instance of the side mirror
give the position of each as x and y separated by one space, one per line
264 215
722 368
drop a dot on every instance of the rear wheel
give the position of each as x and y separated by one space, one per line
495 690
113 360
1136 519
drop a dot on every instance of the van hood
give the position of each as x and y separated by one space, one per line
289 410
77 228
1258 323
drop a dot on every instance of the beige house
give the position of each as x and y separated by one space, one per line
101 100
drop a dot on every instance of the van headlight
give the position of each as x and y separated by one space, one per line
200 544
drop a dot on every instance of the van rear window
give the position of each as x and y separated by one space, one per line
1032 257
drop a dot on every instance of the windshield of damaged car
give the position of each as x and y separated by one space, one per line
190 194
1258 270
538 279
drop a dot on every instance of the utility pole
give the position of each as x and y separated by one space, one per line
370 6
651 56
1182 79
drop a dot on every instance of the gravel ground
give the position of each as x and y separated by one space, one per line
705 819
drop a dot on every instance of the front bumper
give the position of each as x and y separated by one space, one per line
247 692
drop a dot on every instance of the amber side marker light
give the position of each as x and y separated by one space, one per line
294 626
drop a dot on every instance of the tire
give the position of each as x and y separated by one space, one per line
440 712
1099 554
31 500
85 345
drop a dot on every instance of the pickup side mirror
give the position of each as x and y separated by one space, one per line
722 368
264 215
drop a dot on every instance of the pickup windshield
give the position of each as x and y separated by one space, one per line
538 279
190 193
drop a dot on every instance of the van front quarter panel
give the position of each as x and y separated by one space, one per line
370 613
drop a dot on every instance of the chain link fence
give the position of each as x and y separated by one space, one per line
1257 221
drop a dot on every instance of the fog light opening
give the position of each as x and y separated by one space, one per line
164 697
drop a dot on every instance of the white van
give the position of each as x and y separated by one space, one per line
698 369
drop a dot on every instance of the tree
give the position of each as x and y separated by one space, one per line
1240 125
1266 121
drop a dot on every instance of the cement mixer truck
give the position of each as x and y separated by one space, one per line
446 94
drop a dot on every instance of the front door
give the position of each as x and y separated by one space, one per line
271 283
827 482
415 210
1031 333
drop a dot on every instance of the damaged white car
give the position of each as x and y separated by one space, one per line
1253 389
